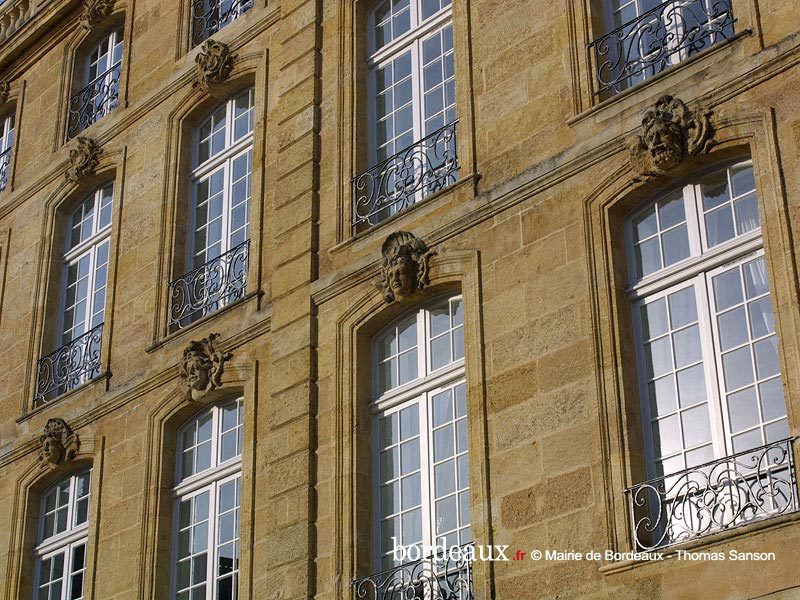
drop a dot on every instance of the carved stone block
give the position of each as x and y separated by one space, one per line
404 269
202 367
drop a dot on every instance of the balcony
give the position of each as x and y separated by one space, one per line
411 175
208 288
5 162
658 39
432 578
68 367
717 496
209 16
94 101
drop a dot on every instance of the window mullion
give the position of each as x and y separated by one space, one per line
212 536
426 467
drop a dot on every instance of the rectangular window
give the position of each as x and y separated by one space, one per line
209 16
6 144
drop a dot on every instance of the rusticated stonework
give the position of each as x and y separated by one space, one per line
59 443
670 133
84 158
214 64
95 12
404 269
202 367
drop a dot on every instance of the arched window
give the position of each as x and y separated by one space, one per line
100 77
221 190
207 500
411 67
420 422
6 142
83 298
707 350
63 536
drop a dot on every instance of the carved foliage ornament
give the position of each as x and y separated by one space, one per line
95 11
404 269
59 443
5 90
214 64
202 367
84 158
670 133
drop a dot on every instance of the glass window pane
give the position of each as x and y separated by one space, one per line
409 422
772 401
666 436
755 277
654 319
696 426
747 217
408 367
733 328
692 385
715 189
676 245
648 257
645 225
411 491
727 289
742 178
766 352
662 396
682 308
737 368
719 226
443 443
658 357
743 409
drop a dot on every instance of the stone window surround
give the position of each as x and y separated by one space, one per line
12 103
44 327
613 198
196 105
353 104
73 68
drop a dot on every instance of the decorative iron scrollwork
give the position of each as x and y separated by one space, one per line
719 495
94 101
209 16
447 577
208 288
658 38
422 169
68 367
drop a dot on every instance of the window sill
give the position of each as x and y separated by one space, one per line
196 324
59 399
706 543
381 227
607 103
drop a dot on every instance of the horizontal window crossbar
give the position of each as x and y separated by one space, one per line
719 495
209 287
418 171
440 576
658 38
68 367
94 101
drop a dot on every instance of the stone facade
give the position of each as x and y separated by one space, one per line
531 234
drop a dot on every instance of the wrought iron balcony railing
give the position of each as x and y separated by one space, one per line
665 35
206 289
422 169
209 16
94 101
5 162
433 578
716 496
68 367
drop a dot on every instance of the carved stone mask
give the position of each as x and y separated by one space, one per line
670 133
202 367
404 269
59 443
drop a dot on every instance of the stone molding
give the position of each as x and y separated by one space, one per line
202 366
404 268
95 12
84 158
59 444
670 133
214 64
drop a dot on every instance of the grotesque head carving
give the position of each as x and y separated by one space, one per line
95 11
405 266
670 133
84 157
214 64
59 443
202 367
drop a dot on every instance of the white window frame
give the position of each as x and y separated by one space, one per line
107 45
66 541
419 391
697 271
6 143
412 40
224 159
88 247
209 480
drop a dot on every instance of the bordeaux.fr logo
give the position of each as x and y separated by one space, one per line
457 554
